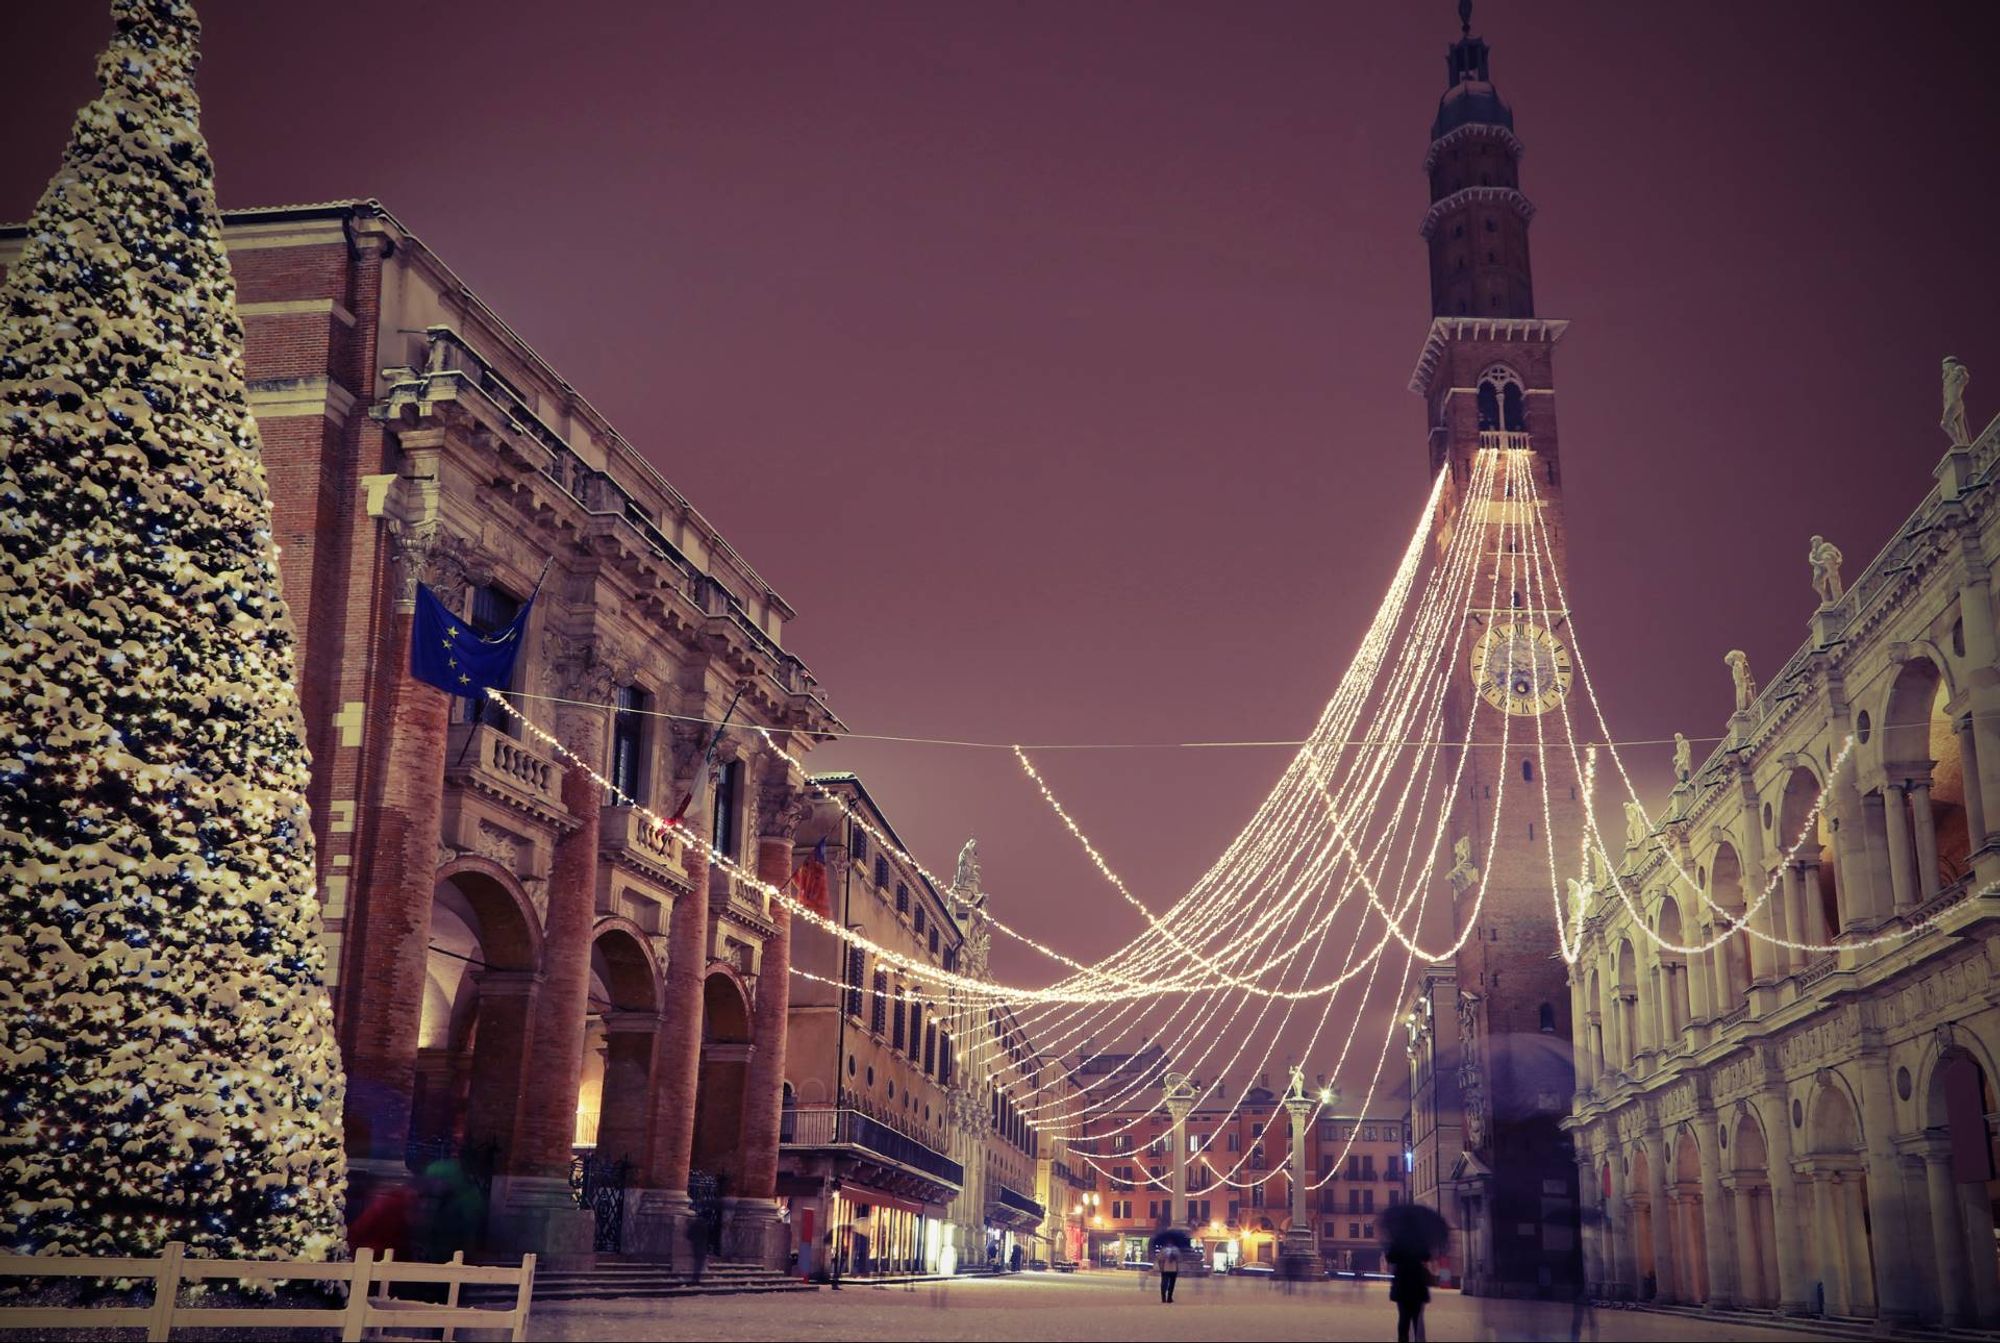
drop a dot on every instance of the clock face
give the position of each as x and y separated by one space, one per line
1521 668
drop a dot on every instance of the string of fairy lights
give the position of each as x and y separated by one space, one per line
1338 863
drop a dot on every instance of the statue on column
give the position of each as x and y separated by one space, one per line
1956 375
1738 662
1637 827
1683 759
1824 556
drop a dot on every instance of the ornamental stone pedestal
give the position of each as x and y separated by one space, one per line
1301 1249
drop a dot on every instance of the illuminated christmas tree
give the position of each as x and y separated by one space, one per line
169 1069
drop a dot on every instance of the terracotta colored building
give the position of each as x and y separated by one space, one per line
527 971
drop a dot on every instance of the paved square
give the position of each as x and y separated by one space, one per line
1103 1307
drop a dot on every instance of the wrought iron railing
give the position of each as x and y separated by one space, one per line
827 1127
598 1184
1017 1201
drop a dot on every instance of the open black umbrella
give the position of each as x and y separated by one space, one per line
1172 1236
1413 1231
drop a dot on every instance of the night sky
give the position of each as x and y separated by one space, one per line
1051 359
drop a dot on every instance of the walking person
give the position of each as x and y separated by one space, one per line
1410 1289
1168 1261
832 1263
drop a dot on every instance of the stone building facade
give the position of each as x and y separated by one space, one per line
524 968
1812 1131
865 1150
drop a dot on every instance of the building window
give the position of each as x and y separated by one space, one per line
930 1050
1257 1195
1354 1200
920 921
1548 1019
934 942
856 965
944 1060
902 1005
878 1019
1235 1143
1527 771
916 1027
1368 1200
902 898
857 845
628 744
728 785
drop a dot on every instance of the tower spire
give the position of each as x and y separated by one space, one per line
1465 18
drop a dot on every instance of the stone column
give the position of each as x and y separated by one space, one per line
653 1222
1817 933
537 1166
1926 836
1180 1099
1618 1223
1750 1267
1299 1240
1789 1212
1902 855
500 1056
1976 1214
1975 794
1888 1208
1590 1205
631 1040
1830 1238
755 1230
1953 1288
1666 1260
396 873
1793 892
1716 1232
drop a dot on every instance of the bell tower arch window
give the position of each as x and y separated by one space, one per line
1501 402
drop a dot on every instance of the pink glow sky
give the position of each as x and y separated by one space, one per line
1051 359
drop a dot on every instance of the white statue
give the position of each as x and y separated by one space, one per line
1956 375
1683 759
1581 893
1637 827
1824 556
1739 672
966 881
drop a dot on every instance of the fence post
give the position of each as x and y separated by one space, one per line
380 1286
522 1297
166 1290
451 1295
357 1296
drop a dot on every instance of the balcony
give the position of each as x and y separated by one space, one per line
1015 1208
1505 440
850 1130
627 837
487 761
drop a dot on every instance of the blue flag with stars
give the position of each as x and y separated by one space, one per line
448 653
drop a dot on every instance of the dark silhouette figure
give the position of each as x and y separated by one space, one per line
1170 1272
697 1238
1410 1289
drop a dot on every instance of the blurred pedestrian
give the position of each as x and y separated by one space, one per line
1410 1289
1168 1261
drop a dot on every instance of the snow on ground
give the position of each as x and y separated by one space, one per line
1104 1307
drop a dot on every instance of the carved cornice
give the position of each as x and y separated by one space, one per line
1446 330
1473 130
1511 197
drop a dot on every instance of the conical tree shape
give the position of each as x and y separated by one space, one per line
169 1066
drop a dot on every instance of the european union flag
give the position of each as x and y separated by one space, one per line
448 653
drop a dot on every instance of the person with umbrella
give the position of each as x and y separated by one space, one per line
1167 1249
1413 1235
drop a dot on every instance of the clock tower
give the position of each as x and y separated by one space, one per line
1490 1030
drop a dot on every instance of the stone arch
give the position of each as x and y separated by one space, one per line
472 1032
1955 1096
1642 1218
1751 1194
1594 1005
621 1029
1726 893
1840 1197
1625 996
1820 908
1690 1216
1923 774
725 1062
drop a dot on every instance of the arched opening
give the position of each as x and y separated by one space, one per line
1640 1221
1513 417
614 1103
1960 1163
472 1035
1840 1204
1691 1236
1725 892
1675 1011
725 1063
1625 1003
1489 407
1813 912
1923 787
1595 1008
1750 1196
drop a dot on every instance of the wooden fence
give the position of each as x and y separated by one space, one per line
372 1310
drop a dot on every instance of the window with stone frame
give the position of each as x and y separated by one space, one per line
878 1019
902 1006
628 743
902 898
492 609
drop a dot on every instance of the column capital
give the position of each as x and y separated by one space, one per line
782 806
